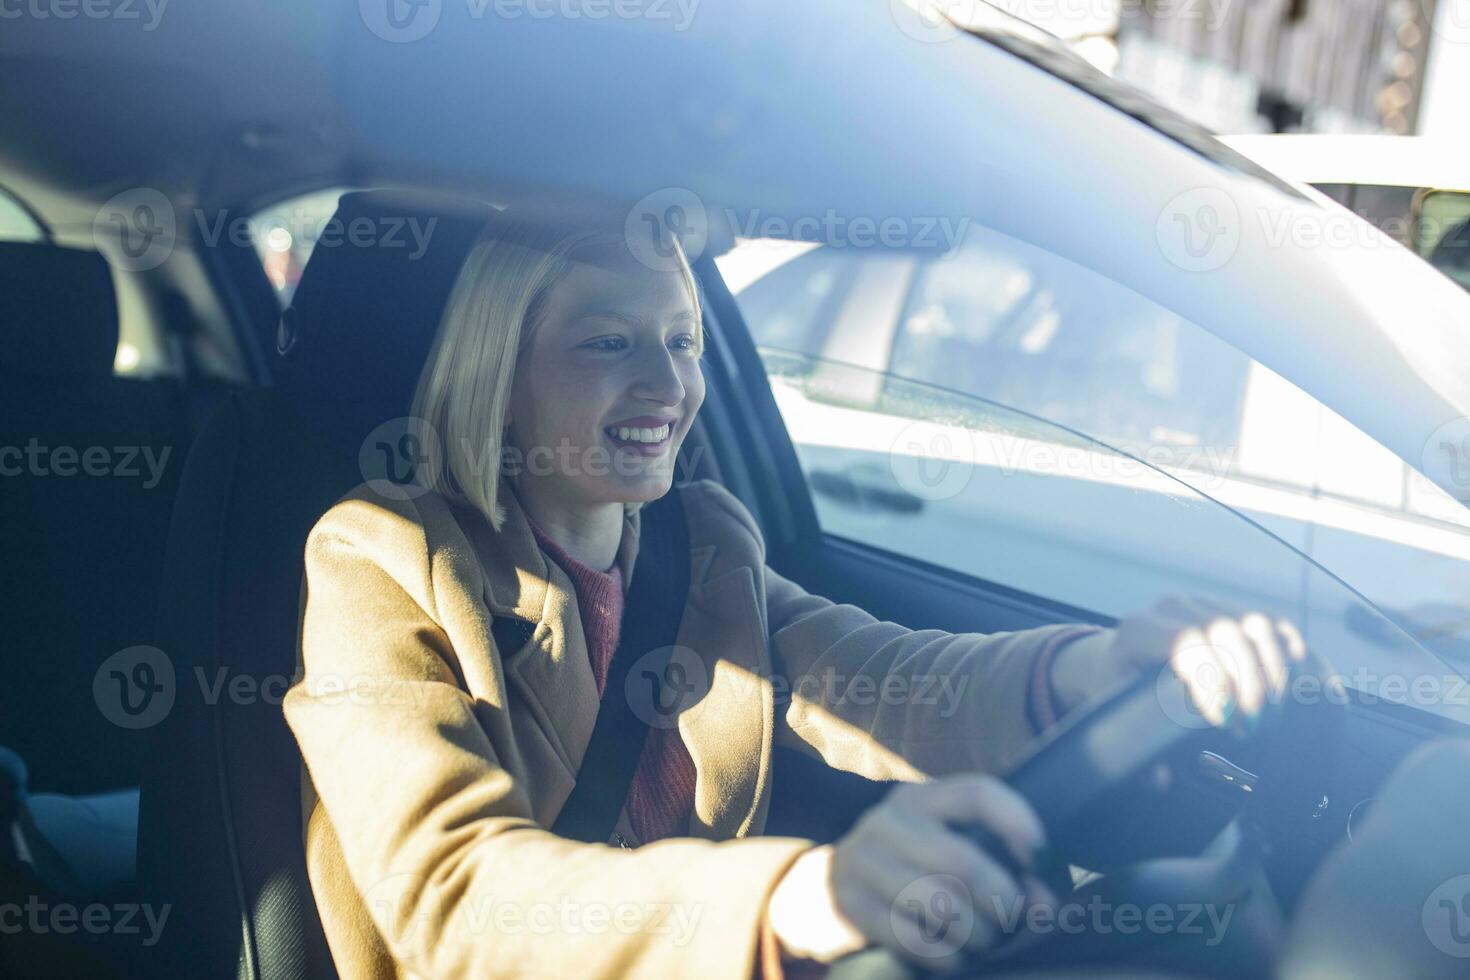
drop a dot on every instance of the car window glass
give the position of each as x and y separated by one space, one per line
1442 233
16 225
1387 208
1020 327
286 232
1010 499
1027 328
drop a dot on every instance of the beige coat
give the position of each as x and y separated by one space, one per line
435 760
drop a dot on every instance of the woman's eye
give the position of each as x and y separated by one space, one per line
684 342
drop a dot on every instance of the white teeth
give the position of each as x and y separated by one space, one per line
639 435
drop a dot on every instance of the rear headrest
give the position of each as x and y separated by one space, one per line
58 310
357 333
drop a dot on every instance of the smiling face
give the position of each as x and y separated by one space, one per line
607 387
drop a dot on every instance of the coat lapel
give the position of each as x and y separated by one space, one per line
552 672
729 731
726 713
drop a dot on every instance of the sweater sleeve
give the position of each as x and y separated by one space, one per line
437 834
887 702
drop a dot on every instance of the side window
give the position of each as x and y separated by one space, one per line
287 232
16 225
1111 406
143 349
1442 232
1006 497
1001 495
1013 323
792 294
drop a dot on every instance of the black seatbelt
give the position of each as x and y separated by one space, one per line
649 628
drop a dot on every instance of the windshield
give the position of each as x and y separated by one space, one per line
1031 44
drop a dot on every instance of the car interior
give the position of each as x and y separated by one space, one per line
205 563
151 616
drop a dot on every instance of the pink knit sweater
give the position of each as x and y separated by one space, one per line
662 794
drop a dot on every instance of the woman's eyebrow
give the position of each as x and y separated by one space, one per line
608 314
630 319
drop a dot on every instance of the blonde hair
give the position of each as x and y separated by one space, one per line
497 304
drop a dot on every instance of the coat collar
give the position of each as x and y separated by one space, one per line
520 579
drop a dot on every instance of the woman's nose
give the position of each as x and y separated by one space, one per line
658 378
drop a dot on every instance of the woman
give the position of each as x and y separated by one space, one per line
436 760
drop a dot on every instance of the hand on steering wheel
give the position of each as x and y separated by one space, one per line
1232 663
906 879
1148 694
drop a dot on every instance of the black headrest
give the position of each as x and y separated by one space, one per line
364 315
58 310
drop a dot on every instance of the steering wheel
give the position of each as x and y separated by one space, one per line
1141 730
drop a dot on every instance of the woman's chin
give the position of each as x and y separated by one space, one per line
644 487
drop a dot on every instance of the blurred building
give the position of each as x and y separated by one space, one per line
1260 65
